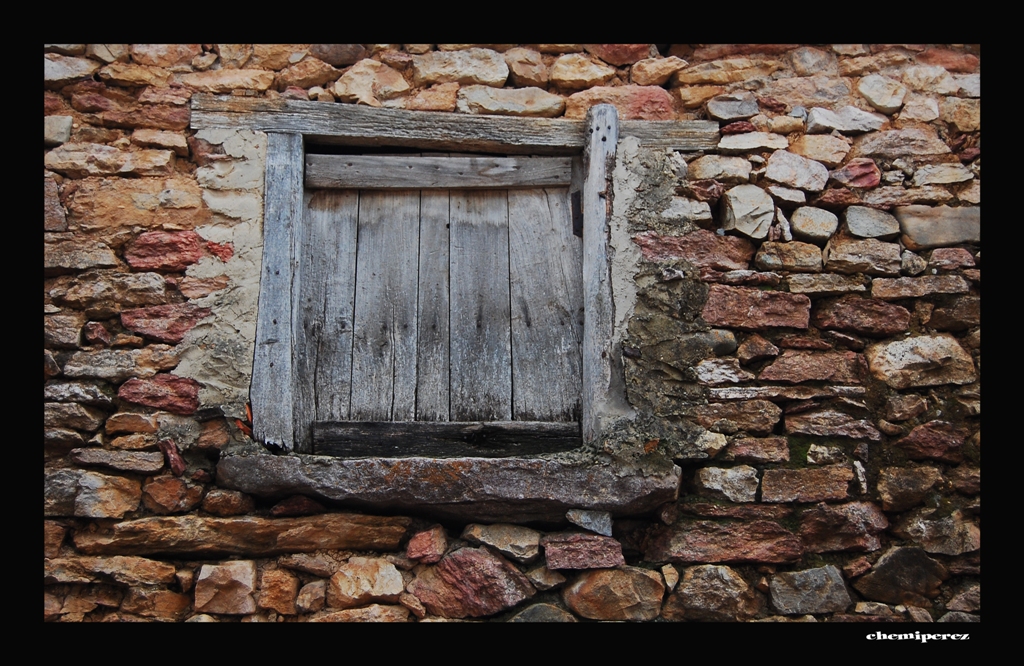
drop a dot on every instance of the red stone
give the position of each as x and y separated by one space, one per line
174 460
703 190
750 309
204 152
949 258
167 494
178 395
701 248
164 250
619 54
854 526
838 197
757 416
935 440
53 104
156 116
738 127
575 550
803 342
969 154
830 423
867 316
165 323
470 582
772 104
861 172
953 61
95 333
632 102
711 542
806 485
297 505
798 366
223 251
757 450
427 546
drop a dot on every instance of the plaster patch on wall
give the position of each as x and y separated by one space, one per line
625 253
218 352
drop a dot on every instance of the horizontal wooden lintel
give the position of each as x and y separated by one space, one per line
414 172
356 125
497 439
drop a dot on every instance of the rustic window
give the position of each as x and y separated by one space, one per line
437 321
445 292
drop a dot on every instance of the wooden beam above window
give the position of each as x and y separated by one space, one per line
413 172
351 124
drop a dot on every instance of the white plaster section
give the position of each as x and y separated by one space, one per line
625 255
218 352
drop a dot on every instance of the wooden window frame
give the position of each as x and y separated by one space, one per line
291 124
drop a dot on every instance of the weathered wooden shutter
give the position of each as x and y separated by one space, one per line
435 320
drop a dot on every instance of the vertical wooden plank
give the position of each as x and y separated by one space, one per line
546 273
384 343
271 390
326 259
432 369
599 157
481 377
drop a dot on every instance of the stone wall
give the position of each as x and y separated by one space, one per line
798 313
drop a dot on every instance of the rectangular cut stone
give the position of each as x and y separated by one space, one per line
806 485
702 248
844 255
750 309
936 226
825 285
797 365
906 287
712 542
757 450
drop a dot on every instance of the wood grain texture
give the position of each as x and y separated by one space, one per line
326 259
432 349
453 439
384 345
547 306
271 388
351 124
434 172
481 377
599 157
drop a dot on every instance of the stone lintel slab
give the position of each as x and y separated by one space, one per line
481 489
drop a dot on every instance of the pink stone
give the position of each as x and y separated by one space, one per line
806 485
798 366
164 250
581 551
867 316
619 54
854 526
427 546
712 542
701 248
935 440
749 309
164 323
861 172
178 395
632 102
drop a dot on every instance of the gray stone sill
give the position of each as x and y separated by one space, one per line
478 489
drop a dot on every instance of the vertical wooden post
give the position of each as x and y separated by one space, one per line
599 159
271 389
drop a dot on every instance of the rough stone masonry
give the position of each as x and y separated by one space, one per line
799 314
